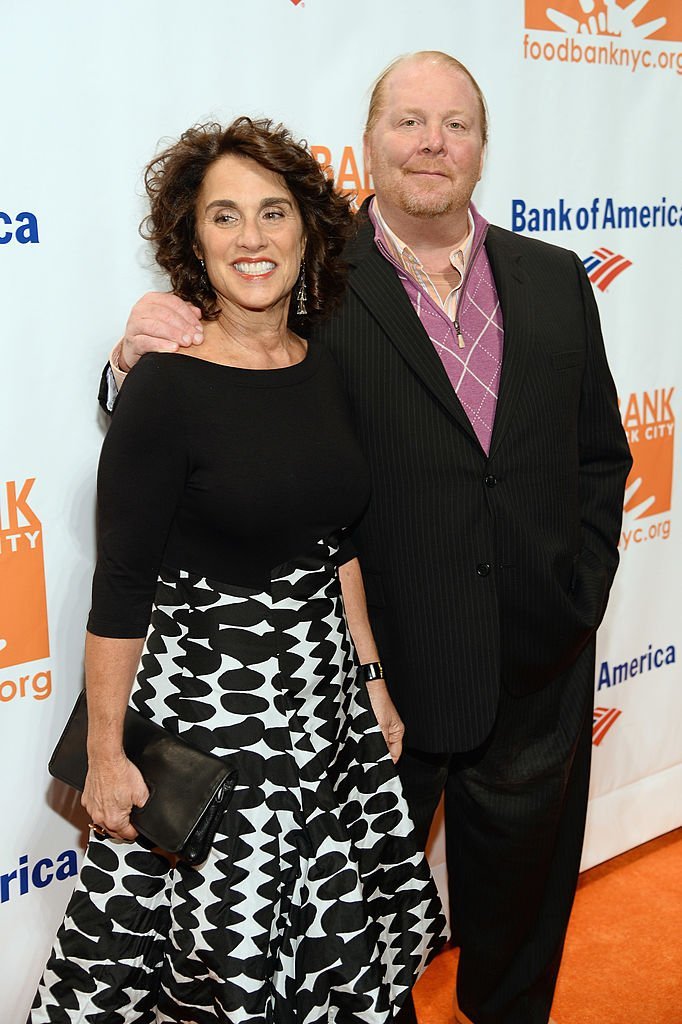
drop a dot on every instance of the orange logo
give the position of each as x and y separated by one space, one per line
649 422
348 177
631 22
23 602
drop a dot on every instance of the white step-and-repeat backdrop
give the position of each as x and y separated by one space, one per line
585 152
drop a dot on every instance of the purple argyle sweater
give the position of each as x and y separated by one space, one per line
473 371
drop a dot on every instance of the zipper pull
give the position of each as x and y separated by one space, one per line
460 339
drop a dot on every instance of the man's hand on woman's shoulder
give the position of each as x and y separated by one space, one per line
159 322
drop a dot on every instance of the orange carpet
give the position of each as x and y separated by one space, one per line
623 958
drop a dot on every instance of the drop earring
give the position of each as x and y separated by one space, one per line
301 295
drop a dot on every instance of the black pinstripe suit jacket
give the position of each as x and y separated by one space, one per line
482 571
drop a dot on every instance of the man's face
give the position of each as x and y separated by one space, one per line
425 150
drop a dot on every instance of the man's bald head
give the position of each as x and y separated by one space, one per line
434 58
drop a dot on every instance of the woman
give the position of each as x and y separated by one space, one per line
226 480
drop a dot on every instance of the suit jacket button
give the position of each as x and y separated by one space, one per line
490 480
483 568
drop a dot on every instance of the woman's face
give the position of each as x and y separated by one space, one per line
250 234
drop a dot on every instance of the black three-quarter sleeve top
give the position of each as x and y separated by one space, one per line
220 471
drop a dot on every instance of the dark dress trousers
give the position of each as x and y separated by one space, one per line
486 578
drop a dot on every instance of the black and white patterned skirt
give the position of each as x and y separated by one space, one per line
314 906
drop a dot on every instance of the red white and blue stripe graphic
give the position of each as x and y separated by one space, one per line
603 266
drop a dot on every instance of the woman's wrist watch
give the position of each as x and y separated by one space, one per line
371 671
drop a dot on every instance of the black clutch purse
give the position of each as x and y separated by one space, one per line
189 789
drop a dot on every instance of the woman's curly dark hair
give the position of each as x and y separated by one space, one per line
173 181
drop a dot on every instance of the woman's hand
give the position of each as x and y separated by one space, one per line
387 717
112 789
355 604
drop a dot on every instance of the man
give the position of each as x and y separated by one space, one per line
482 396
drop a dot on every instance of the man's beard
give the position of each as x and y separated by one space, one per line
426 205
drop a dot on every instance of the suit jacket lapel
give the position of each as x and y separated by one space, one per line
376 283
514 294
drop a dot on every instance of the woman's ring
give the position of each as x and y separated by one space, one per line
98 829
